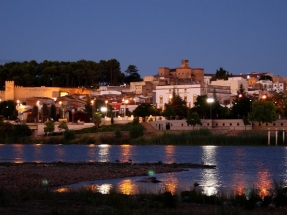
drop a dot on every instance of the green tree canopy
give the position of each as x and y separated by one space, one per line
49 127
132 74
241 105
263 111
144 110
221 74
193 119
201 107
97 119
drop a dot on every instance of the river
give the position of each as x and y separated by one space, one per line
238 168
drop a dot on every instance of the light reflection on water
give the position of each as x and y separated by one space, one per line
237 167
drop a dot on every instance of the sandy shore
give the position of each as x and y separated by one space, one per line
36 175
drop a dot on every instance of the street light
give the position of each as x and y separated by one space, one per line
92 104
210 101
106 107
61 109
38 103
73 112
126 102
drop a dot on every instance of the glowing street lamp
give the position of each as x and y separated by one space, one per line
264 97
92 104
37 104
210 101
106 106
62 109
104 109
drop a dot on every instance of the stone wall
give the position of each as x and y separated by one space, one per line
220 124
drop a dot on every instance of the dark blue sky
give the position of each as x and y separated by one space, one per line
240 36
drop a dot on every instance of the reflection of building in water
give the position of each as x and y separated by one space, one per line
103 153
18 150
169 154
264 183
210 177
238 182
125 155
38 153
171 184
60 153
91 153
62 190
127 187
104 188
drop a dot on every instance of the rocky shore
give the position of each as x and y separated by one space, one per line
36 175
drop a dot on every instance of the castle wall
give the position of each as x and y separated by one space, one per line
21 93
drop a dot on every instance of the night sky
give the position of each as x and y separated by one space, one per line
240 36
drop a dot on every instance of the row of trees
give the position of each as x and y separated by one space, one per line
67 74
243 107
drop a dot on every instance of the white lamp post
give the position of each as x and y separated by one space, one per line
210 101
106 107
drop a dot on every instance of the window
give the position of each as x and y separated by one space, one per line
160 100
185 98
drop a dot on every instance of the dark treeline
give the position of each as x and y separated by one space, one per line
67 74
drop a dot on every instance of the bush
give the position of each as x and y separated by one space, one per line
69 135
136 131
118 133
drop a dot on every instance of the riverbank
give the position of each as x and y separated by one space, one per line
19 193
37 175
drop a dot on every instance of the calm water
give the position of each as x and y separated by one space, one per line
237 167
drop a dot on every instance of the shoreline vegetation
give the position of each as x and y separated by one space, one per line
138 135
27 188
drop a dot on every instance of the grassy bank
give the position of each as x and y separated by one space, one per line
135 134
88 202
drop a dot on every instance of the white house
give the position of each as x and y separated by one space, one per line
278 87
163 94
233 82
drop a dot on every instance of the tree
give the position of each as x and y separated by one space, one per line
265 77
240 105
35 112
97 119
221 74
45 112
176 107
263 111
193 119
88 107
201 106
49 127
132 74
143 110
8 109
168 111
63 126
53 112
280 101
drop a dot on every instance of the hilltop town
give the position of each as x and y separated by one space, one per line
120 101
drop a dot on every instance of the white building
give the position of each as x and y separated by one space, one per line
232 82
278 87
267 85
163 94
